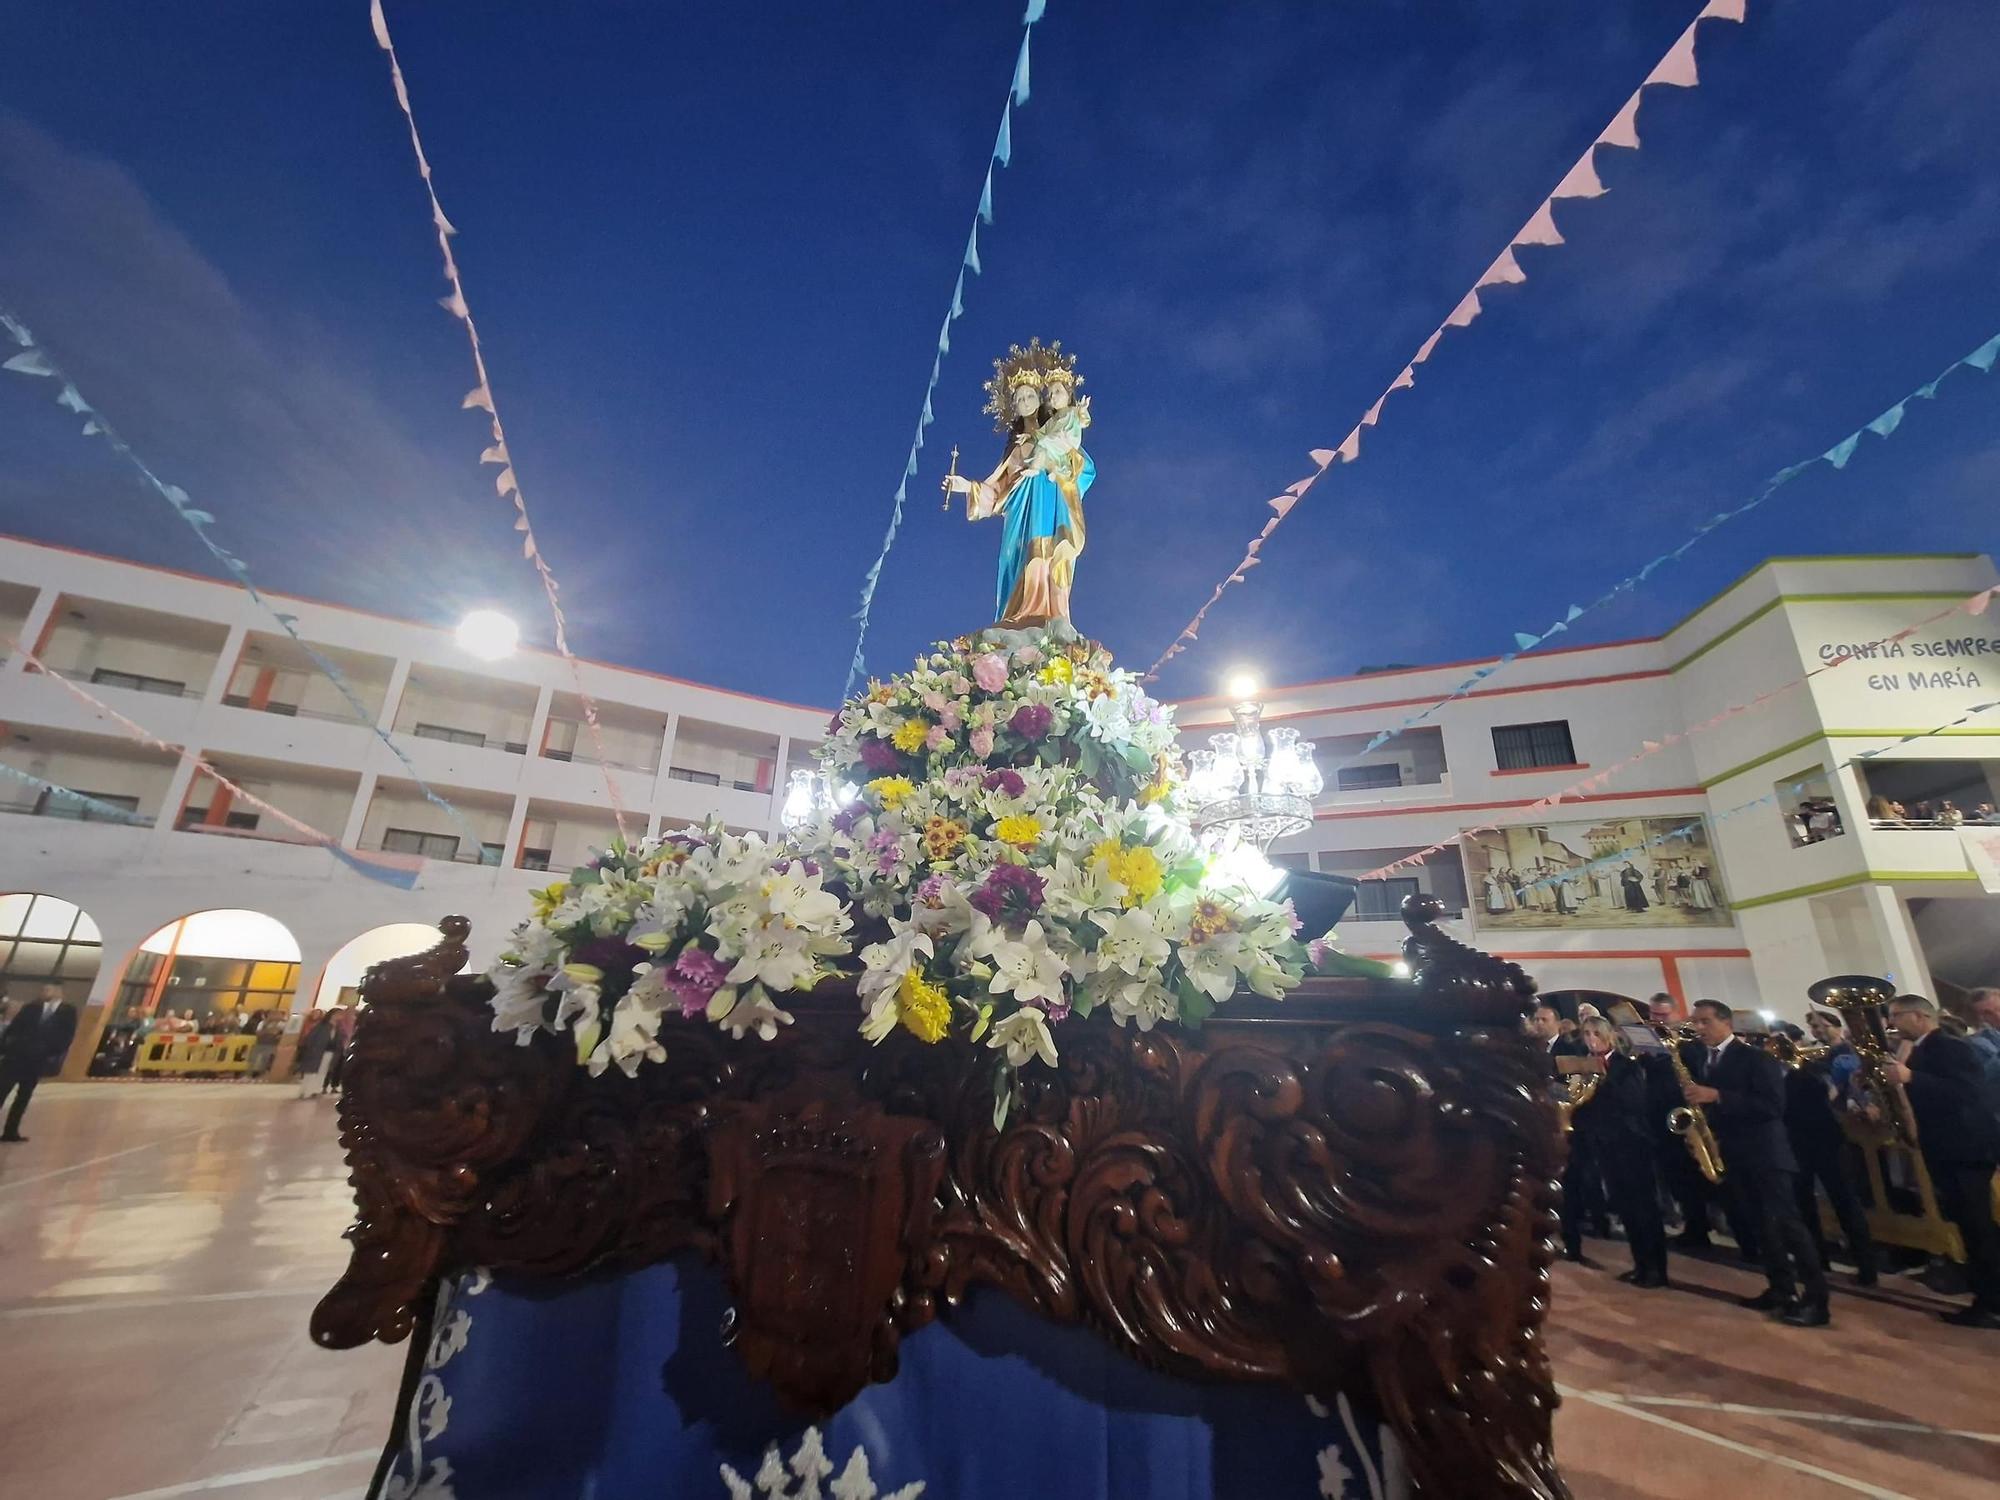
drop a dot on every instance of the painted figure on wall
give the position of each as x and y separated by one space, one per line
1622 872
1039 485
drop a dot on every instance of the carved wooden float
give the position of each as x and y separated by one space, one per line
1353 1190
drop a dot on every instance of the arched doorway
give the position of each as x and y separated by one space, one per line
212 967
341 981
46 940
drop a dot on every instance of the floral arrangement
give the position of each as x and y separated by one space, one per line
1003 848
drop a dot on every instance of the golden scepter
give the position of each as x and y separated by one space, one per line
950 475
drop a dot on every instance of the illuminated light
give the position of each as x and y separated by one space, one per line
1243 867
1770 1017
226 932
1242 686
1400 969
488 635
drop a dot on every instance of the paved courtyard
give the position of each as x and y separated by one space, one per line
161 1246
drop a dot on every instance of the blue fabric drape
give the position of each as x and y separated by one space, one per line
621 1389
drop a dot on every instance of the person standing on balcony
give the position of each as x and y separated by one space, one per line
34 1043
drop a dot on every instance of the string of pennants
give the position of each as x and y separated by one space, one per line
390 869
1002 154
1973 605
506 483
1793 788
35 361
1675 70
1837 457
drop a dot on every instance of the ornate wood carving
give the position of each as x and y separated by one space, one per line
1350 1190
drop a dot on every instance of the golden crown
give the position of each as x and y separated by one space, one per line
1037 365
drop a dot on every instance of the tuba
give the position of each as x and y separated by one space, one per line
1861 1000
1689 1122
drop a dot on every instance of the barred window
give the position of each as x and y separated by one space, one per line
1522 747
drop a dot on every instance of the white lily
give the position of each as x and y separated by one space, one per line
1025 1036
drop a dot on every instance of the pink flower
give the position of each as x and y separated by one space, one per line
937 739
934 702
982 741
1031 721
958 685
990 671
951 717
1028 656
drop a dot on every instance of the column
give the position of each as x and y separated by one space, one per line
357 814
538 724
776 820
517 824
176 794
660 777
392 698
1898 934
33 629
225 665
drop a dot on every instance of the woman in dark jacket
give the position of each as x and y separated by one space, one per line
1613 1129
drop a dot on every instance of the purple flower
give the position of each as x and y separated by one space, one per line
1011 894
848 816
1292 916
696 975
1031 721
879 755
1317 951
833 724
803 866
1006 783
930 892
884 845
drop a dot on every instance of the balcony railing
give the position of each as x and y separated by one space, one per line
140 683
293 711
70 812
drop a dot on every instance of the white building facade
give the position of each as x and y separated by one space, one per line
1648 882
1757 864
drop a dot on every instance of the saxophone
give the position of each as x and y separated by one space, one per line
1860 999
1578 1090
1689 1122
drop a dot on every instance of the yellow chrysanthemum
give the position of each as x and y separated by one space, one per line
1058 670
1022 831
1141 873
909 736
549 897
891 790
925 1009
942 837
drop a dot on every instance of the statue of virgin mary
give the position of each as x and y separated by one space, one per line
1039 486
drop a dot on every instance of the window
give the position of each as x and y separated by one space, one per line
49 805
536 859
1360 778
43 941
700 778
1382 900
1522 747
197 817
210 987
238 700
449 735
105 677
489 854
413 841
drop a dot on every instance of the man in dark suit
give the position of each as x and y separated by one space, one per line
1742 1091
34 1042
1943 1076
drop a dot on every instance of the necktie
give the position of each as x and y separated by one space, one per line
1714 1057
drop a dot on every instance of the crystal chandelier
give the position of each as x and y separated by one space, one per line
809 797
1252 785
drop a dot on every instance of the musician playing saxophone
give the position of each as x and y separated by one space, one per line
1941 1075
1742 1091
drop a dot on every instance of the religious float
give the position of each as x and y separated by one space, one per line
997 1133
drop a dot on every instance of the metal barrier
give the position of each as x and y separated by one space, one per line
190 1054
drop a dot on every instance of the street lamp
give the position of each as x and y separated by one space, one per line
488 635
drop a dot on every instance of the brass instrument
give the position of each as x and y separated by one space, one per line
1862 1000
1689 1122
1794 1054
1578 1089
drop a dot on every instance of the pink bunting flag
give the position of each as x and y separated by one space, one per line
380 22
1269 527
1506 270
1652 747
1405 380
1977 604
497 454
1541 229
1424 349
1283 504
528 545
1256 543
1676 69
1721 10
478 396
1350 446
1374 413
1298 487
454 304
520 523
1323 457
1624 127
504 481
1582 180
1463 314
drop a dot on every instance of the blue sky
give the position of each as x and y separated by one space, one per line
709 248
